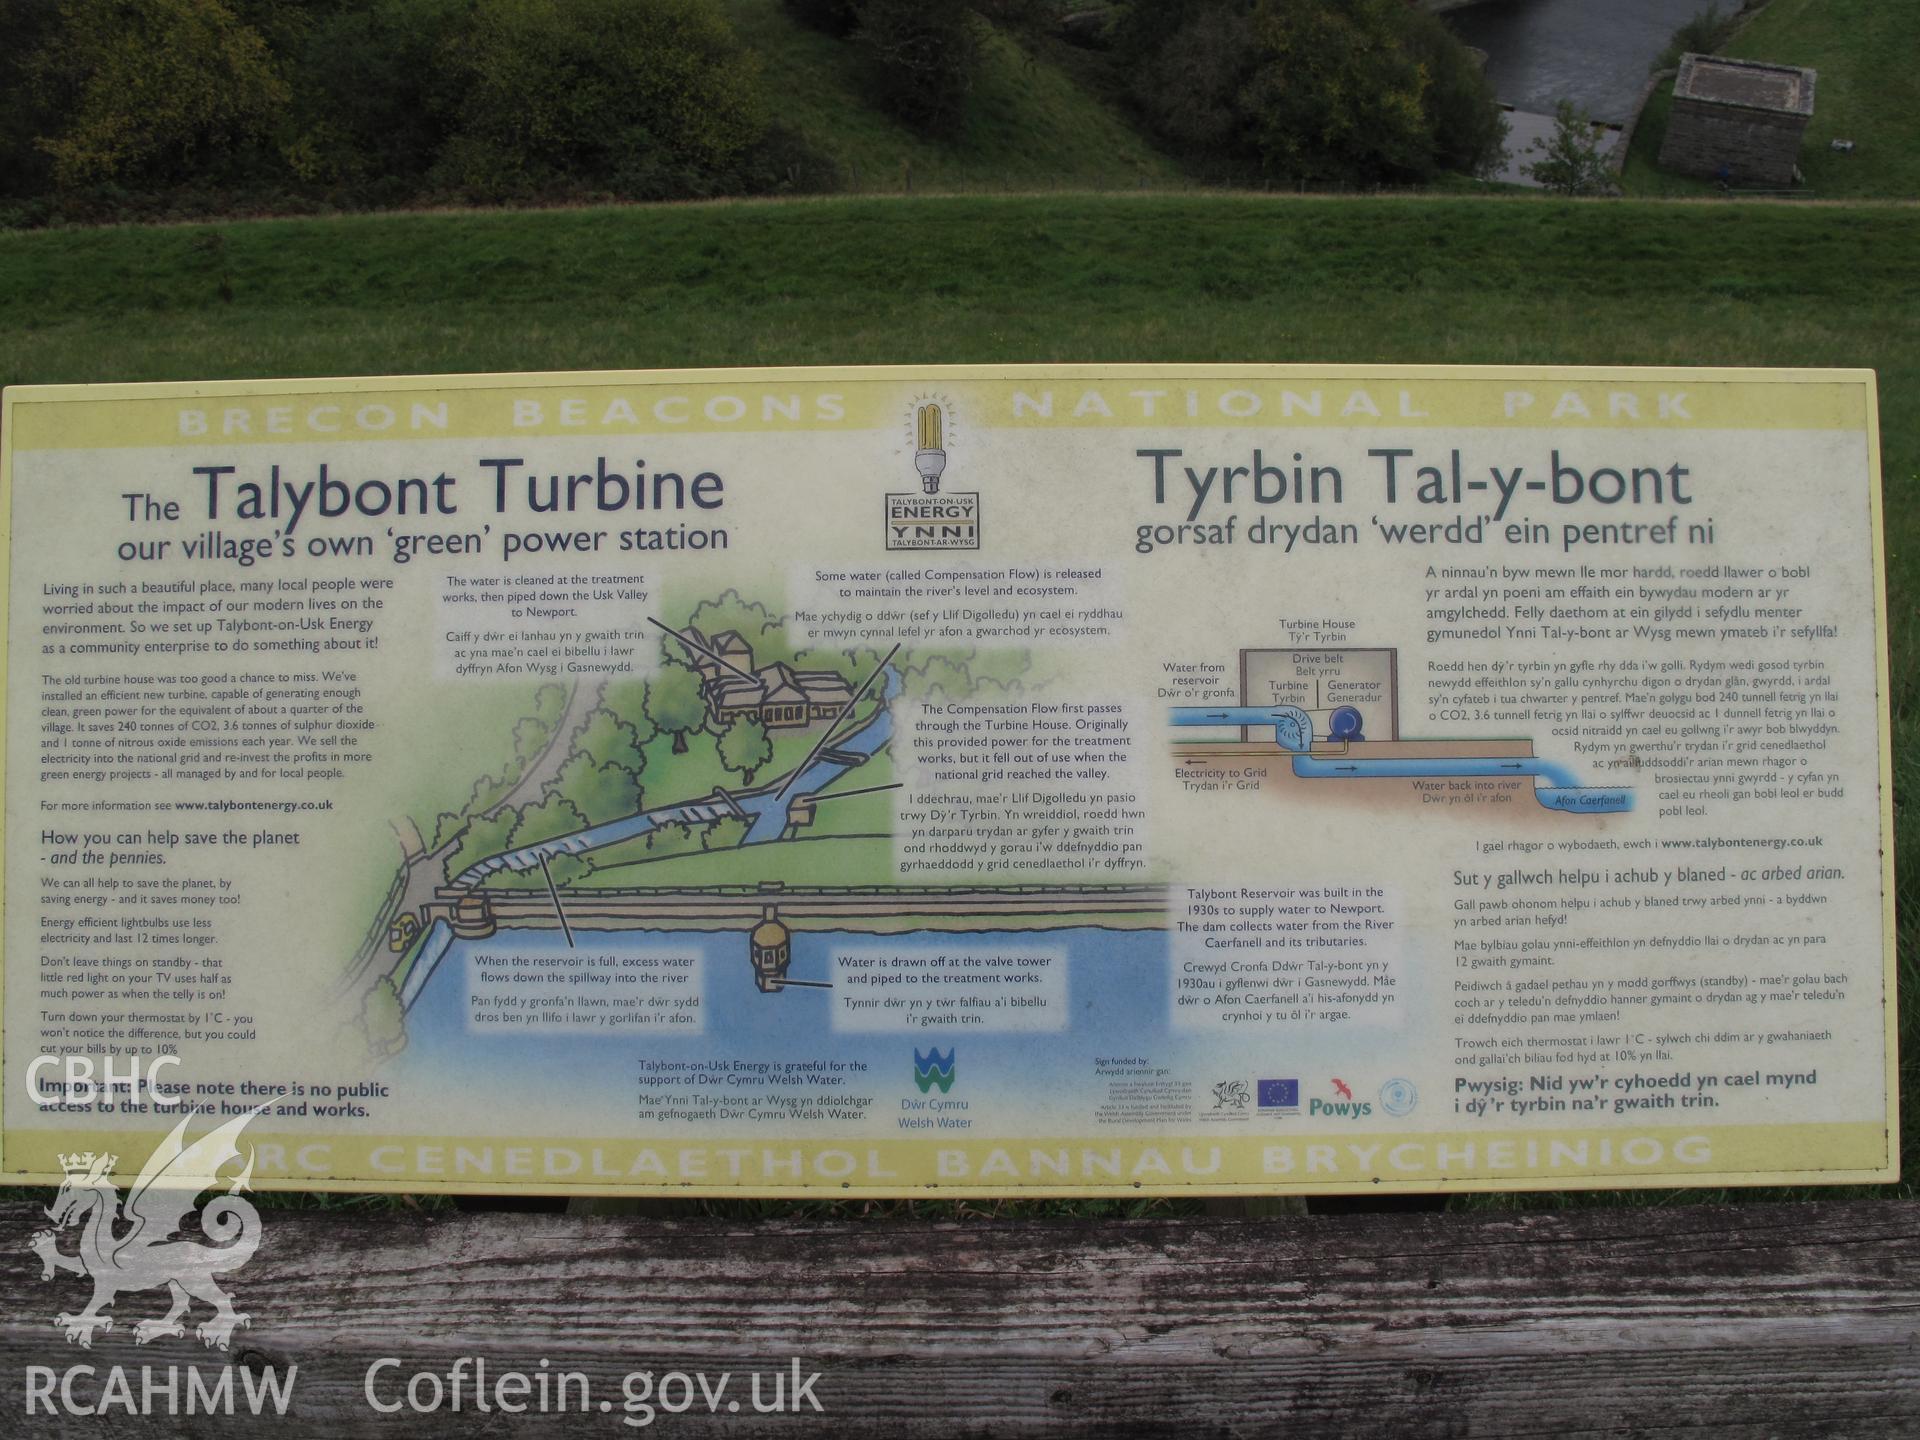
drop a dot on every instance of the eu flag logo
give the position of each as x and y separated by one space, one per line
1279 1095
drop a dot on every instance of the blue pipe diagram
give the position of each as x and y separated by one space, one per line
1293 732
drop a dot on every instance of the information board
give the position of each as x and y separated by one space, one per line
1000 781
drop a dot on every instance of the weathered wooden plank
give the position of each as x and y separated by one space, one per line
1751 1320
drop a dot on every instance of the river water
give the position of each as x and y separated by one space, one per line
1596 53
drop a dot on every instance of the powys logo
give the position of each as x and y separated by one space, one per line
933 1069
1345 1108
149 1256
929 520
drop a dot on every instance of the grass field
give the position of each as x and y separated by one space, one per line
1864 52
1140 278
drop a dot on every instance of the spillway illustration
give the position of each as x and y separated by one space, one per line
765 808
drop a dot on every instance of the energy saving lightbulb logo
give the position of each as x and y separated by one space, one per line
930 520
931 458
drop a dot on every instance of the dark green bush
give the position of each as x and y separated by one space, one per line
1337 100
28 107
1310 92
154 92
1196 80
373 104
834 17
1142 30
146 109
648 99
923 55
1020 14
172 109
1468 126
782 162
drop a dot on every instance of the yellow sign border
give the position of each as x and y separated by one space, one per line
18 396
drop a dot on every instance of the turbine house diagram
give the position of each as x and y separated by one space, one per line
1335 715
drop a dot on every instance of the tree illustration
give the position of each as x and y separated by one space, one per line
553 816
609 740
726 833
744 747
674 703
530 737
627 700
598 792
383 1019
758 626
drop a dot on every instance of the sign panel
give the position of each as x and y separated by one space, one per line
1010 781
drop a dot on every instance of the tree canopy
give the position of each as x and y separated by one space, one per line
1305 92
112 109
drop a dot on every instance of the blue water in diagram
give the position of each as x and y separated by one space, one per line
1293 732
1116 998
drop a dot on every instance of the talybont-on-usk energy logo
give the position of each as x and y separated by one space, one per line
931 519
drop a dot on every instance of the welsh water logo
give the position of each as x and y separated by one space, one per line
933 1069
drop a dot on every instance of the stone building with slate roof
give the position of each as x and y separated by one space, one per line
1737 121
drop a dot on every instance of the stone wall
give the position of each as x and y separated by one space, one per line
1753 146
